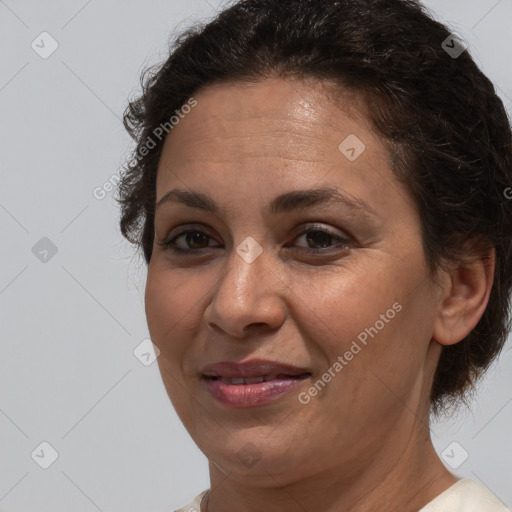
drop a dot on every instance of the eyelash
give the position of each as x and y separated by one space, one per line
170 244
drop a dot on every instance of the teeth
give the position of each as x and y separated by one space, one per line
248 380
253 380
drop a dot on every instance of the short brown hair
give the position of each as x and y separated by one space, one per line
446 129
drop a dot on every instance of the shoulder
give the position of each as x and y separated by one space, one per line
466 495
194 506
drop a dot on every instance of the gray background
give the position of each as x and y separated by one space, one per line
70 321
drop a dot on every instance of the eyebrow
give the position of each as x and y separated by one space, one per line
283 203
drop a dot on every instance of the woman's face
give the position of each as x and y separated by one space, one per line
337 288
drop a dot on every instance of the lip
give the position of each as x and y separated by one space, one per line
283 379
251 368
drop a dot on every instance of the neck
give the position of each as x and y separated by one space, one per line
404 476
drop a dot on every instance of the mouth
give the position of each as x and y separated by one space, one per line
253 368
240 381
250 384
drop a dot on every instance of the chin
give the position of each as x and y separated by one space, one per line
246 453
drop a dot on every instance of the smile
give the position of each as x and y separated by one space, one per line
240 392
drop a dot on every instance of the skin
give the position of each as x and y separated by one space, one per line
363 442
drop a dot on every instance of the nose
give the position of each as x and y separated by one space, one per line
250 297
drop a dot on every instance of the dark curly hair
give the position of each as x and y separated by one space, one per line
445 127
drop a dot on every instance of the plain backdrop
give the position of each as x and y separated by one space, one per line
74 396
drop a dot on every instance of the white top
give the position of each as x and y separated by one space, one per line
466 496
195 505
463 496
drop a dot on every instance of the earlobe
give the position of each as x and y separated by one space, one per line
464 299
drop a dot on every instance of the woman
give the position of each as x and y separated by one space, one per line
319 192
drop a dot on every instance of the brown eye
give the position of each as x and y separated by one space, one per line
194 240
317 240
320 239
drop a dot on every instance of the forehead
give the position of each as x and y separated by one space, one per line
291 109
288 134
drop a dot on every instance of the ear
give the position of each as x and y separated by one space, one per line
464 298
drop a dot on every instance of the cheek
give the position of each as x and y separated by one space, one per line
349 305
158 303
169 305
382 360
379 321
